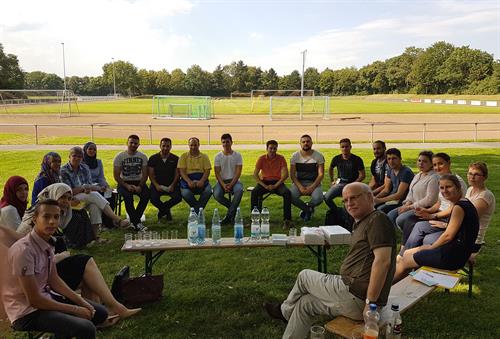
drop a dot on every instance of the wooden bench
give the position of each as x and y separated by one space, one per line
407 292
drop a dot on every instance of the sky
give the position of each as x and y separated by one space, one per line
169 34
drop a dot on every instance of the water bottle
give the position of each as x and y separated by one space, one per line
393 330
238 227
216 231
255 228
371 323
201 226
264 224
192 227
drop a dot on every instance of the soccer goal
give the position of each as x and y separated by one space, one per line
298 108
23 101
182 107
259 97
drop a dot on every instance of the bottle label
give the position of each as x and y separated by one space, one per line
396 329
370 334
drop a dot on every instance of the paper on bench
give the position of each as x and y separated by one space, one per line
431 277
336 235
312 235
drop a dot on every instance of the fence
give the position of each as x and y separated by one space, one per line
259 133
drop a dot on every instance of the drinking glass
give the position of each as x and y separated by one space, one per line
147 238
317 332
165 235
173 234
128 240
292 233
155 238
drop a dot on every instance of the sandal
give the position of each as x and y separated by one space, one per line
121 223
110 321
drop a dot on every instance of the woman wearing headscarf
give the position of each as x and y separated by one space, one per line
14 202
48 175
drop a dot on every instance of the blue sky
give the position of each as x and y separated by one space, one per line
172 34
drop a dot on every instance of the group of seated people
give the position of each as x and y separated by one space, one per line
443 222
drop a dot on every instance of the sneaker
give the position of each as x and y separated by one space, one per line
287 224
140 227
160 215
302 215
274 311
168 215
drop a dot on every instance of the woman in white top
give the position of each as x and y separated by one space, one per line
482 198
422 193
14 202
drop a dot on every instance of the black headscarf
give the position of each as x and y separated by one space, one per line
91 162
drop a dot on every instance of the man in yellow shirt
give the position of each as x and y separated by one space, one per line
194 168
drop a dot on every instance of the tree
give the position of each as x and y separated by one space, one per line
345 81
41 80
291 81
219 83
326 81
163 79
372 78
254 75
78 84
311 79
197 81
237 73
11 75
269 79
125 74
399 68
177 82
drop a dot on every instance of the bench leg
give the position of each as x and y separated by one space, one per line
471 275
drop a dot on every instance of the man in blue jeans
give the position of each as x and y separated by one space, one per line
194 169
130 171
227 166
164 177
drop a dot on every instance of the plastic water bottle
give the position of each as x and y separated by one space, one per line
201 226
238 227
371 323
393 330
264 224
255 228
192 227
216 231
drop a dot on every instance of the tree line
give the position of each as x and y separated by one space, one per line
439 69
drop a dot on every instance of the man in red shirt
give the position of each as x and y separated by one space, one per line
270 172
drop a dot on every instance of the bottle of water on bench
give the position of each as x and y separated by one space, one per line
192 227
216 231
238 227
264 224
395 323
255 227
371 323
201 226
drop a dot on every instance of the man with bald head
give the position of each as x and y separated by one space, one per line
365 276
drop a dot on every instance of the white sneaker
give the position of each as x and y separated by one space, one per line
140 227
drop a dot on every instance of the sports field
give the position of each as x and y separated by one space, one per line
219 293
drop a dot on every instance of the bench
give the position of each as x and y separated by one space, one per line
407 292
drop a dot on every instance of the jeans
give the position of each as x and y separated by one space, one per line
333 192
189 196
316 196
134 213
422 234
164 207
315 294
282 190
233 204
387 208
63 325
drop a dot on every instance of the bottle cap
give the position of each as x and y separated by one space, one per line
373 307
395 307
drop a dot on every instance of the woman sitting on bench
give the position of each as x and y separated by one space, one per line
453 248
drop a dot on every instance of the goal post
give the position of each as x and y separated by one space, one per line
257 96
182 107
55 101
298 108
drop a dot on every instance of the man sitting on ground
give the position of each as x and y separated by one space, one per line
131 173
365 276
378 167
270 173
228 165
397 182
164 177
194 168
307 168
350 168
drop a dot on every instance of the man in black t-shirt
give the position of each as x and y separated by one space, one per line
350 168
164 177
378 167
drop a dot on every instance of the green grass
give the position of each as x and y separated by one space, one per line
342 105
218 293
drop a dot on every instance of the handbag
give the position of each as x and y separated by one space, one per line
133 292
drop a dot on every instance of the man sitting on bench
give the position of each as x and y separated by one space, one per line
270 173
365 276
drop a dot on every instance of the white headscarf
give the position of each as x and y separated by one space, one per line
55 192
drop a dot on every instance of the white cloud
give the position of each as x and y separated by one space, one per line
93 31
256 36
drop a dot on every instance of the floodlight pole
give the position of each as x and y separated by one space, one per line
64 67
114 80
304 52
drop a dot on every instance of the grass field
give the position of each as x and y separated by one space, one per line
344 105
219 293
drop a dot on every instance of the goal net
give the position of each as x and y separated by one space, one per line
182 107
298 108
38 101
259 97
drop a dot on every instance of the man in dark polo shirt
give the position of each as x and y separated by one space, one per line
378 167
164 177
365 275
350 168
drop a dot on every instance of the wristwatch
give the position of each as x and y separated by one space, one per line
368 302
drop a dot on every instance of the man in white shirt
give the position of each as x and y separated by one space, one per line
228 165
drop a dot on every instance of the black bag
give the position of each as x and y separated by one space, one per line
133 292
78 233
339 216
